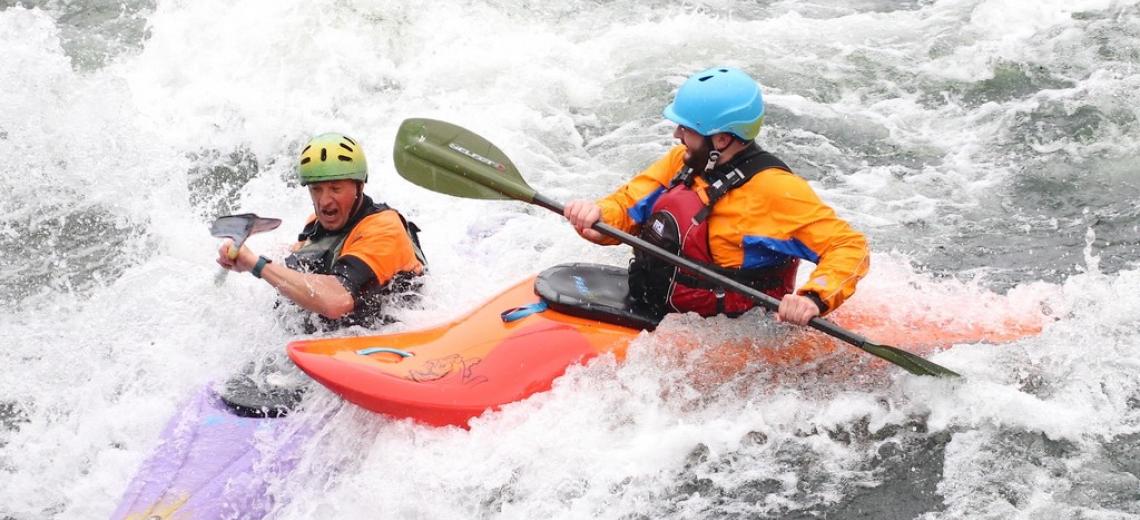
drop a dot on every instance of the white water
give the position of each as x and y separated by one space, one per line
982 145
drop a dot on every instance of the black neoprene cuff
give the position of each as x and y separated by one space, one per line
817 301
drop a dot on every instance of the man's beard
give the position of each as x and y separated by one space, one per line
698 158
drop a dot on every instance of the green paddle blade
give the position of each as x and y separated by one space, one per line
912 363
450 159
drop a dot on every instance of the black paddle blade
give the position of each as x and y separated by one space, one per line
910 362
450 159
263 390
264 224
240 227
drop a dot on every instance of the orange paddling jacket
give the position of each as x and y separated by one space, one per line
376 254
764 223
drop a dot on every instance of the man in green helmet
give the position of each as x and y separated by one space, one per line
354 253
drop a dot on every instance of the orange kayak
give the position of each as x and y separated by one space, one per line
453 372
518 343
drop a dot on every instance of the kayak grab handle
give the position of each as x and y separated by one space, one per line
384 350
519 313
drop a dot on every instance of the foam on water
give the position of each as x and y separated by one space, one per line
985 146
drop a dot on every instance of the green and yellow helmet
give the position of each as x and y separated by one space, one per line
331 157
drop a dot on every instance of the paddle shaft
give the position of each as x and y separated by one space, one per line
220 278
764 300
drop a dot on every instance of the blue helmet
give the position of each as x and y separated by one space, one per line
720 99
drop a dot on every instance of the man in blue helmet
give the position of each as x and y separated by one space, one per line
719 199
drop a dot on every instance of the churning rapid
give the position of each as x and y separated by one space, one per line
987 148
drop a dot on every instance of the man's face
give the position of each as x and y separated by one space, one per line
332 202
696 147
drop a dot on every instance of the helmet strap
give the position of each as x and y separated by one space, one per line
359 197
714 155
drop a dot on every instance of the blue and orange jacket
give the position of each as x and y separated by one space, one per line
760 224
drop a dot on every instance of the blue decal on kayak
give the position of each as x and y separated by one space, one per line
766 251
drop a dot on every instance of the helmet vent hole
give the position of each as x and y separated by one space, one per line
305 160
349 139
704 78
306 148
723 71
346 147
324 154
344 158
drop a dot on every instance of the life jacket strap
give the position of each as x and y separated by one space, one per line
739 171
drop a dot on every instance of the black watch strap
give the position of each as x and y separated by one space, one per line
261 263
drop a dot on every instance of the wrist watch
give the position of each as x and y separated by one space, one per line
261 262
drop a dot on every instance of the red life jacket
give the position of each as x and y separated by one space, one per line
679 224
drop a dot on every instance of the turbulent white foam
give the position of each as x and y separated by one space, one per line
573 95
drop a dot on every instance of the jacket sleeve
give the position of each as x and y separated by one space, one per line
820 236
628 206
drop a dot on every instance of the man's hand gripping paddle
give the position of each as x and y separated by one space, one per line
238 228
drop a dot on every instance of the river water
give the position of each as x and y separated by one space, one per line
986 147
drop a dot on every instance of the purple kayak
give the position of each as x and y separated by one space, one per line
216 460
